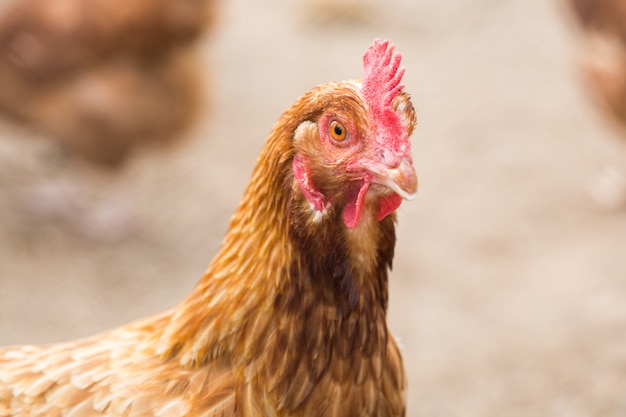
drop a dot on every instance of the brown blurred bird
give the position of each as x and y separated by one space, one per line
103 78
602 61
290 317
603 53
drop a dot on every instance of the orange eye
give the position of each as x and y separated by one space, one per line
337 131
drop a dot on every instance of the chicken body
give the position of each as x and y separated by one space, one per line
290 316
113 374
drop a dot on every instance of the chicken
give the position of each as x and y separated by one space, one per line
603 55
103 78
602 64
290 316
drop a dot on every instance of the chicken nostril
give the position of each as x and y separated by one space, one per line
389 158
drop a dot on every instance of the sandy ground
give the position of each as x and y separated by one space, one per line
509 285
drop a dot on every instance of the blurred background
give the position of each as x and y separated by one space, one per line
509 283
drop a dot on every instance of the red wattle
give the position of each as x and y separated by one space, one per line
354 204
388 205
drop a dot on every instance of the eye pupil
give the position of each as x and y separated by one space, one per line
338 130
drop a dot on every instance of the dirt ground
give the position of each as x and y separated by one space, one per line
509 284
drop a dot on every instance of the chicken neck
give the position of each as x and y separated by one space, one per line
302 290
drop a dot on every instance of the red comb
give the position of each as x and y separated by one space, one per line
383 74
381 83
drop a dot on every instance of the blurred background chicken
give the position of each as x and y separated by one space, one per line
602 60
101 79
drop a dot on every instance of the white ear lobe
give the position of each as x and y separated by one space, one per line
304 129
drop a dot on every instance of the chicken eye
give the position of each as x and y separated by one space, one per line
337 131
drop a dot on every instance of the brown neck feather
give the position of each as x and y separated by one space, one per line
283 283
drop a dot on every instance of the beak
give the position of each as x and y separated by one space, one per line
401 179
